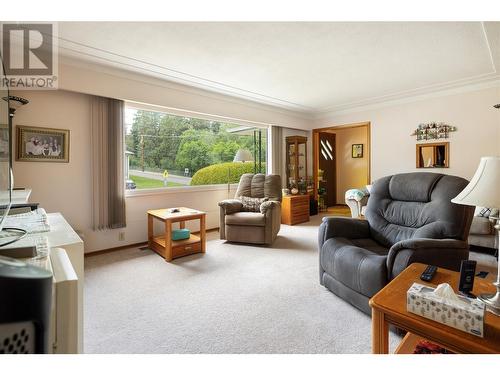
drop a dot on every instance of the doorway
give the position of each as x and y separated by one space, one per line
341 161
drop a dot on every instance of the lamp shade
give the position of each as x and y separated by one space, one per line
483 189
243 155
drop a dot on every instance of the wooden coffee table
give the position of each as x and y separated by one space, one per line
389 307
163 244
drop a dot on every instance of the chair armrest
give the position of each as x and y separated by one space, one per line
269 205
445 253
230 206
342 227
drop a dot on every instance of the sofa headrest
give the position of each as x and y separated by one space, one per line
259 186
413 187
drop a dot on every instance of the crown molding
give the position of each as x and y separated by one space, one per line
412 96
174 86
68 50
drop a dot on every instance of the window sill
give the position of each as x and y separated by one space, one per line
177 190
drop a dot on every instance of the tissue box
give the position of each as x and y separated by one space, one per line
180 234
468 318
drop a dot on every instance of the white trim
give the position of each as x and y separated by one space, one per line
177 189
367 106
193 114
174 75
121 72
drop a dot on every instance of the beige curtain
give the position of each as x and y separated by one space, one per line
107 156
277 149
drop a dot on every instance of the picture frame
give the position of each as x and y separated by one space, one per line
357 150
42 144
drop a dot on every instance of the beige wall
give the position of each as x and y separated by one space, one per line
393 149
59 187
351 172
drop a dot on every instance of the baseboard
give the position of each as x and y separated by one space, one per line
138 244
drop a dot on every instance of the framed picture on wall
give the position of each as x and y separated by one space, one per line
42 144
357 150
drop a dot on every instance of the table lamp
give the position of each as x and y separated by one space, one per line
243 156
483 191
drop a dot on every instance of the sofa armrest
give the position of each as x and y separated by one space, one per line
268 205
342 227
445 253
230 206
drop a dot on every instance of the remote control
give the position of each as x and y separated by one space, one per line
467 271
428 273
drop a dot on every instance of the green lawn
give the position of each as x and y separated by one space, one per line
150 183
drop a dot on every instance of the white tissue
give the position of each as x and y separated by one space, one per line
445 291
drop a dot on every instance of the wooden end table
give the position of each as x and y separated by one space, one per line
163 244
389 307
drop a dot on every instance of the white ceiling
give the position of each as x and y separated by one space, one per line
311 67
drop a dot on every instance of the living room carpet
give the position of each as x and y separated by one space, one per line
233 299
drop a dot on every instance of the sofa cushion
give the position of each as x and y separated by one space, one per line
252 204
260 186
246 218
360 269
481 225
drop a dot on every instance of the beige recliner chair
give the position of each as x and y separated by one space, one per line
253 227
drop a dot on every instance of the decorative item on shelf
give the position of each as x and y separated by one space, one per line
320 174
482 191
180 234
321 199
433 130
310 185
42 144
285 192
302 186
357 150
295 191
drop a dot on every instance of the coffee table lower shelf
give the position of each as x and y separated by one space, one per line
409 343
180 248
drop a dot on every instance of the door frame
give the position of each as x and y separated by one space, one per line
315 136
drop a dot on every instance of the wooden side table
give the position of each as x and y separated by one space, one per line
163 244
295 209
389 307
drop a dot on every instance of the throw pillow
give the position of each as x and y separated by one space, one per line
252 204
483 212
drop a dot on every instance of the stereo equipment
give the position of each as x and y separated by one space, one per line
26 297
467 272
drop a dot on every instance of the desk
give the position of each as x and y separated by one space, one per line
62 235
389 307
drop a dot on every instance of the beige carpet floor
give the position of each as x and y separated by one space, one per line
233 299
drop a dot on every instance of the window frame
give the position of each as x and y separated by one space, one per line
201 116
